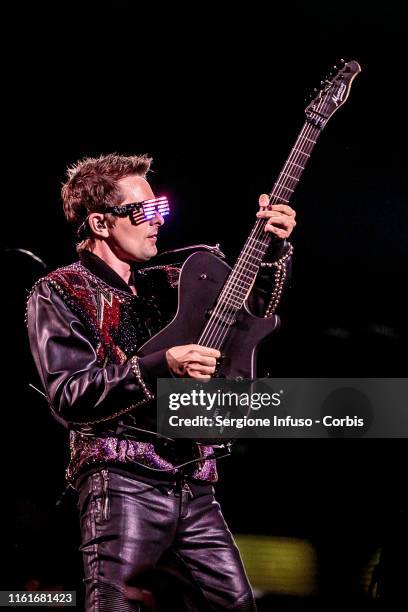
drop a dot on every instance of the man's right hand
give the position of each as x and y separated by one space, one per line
192 360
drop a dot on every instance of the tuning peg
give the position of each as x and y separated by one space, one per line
339 64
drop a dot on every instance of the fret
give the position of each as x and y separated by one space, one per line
248 263
239 288
240 276
251 258
283 186
254 248
289 176
278 197
298 165
309 139
227 302
302 152
256 240
252 255
235 295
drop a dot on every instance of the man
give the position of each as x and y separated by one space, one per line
144 502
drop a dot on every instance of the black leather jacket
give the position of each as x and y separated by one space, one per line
93 401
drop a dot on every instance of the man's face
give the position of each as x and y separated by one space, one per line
135 242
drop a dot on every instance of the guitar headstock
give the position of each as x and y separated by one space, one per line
333 93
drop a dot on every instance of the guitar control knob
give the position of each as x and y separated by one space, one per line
202 276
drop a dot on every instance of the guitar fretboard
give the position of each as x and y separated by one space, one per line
332 95
243 274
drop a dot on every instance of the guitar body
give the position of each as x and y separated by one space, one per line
202 278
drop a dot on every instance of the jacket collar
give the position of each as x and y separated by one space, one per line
97 266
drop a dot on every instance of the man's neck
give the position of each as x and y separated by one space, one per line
122 268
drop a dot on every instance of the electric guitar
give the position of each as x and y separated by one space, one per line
212 300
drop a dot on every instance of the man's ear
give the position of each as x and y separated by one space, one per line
98 225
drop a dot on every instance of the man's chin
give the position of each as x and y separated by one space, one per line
142 257
150 253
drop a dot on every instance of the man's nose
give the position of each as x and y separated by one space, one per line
157 219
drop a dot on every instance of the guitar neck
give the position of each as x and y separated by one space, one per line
243 274
331 96
293 168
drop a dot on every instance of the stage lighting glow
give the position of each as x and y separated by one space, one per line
285 566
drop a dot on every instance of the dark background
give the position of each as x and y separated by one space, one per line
217 98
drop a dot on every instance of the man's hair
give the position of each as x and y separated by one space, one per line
92 185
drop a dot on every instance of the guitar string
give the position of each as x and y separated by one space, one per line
275 193
256 233
249 250
219 337
241 273
210 333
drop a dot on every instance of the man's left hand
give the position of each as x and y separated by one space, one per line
281 217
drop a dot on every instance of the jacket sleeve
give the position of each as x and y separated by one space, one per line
78 389
272 280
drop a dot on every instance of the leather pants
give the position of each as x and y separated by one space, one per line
166 545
